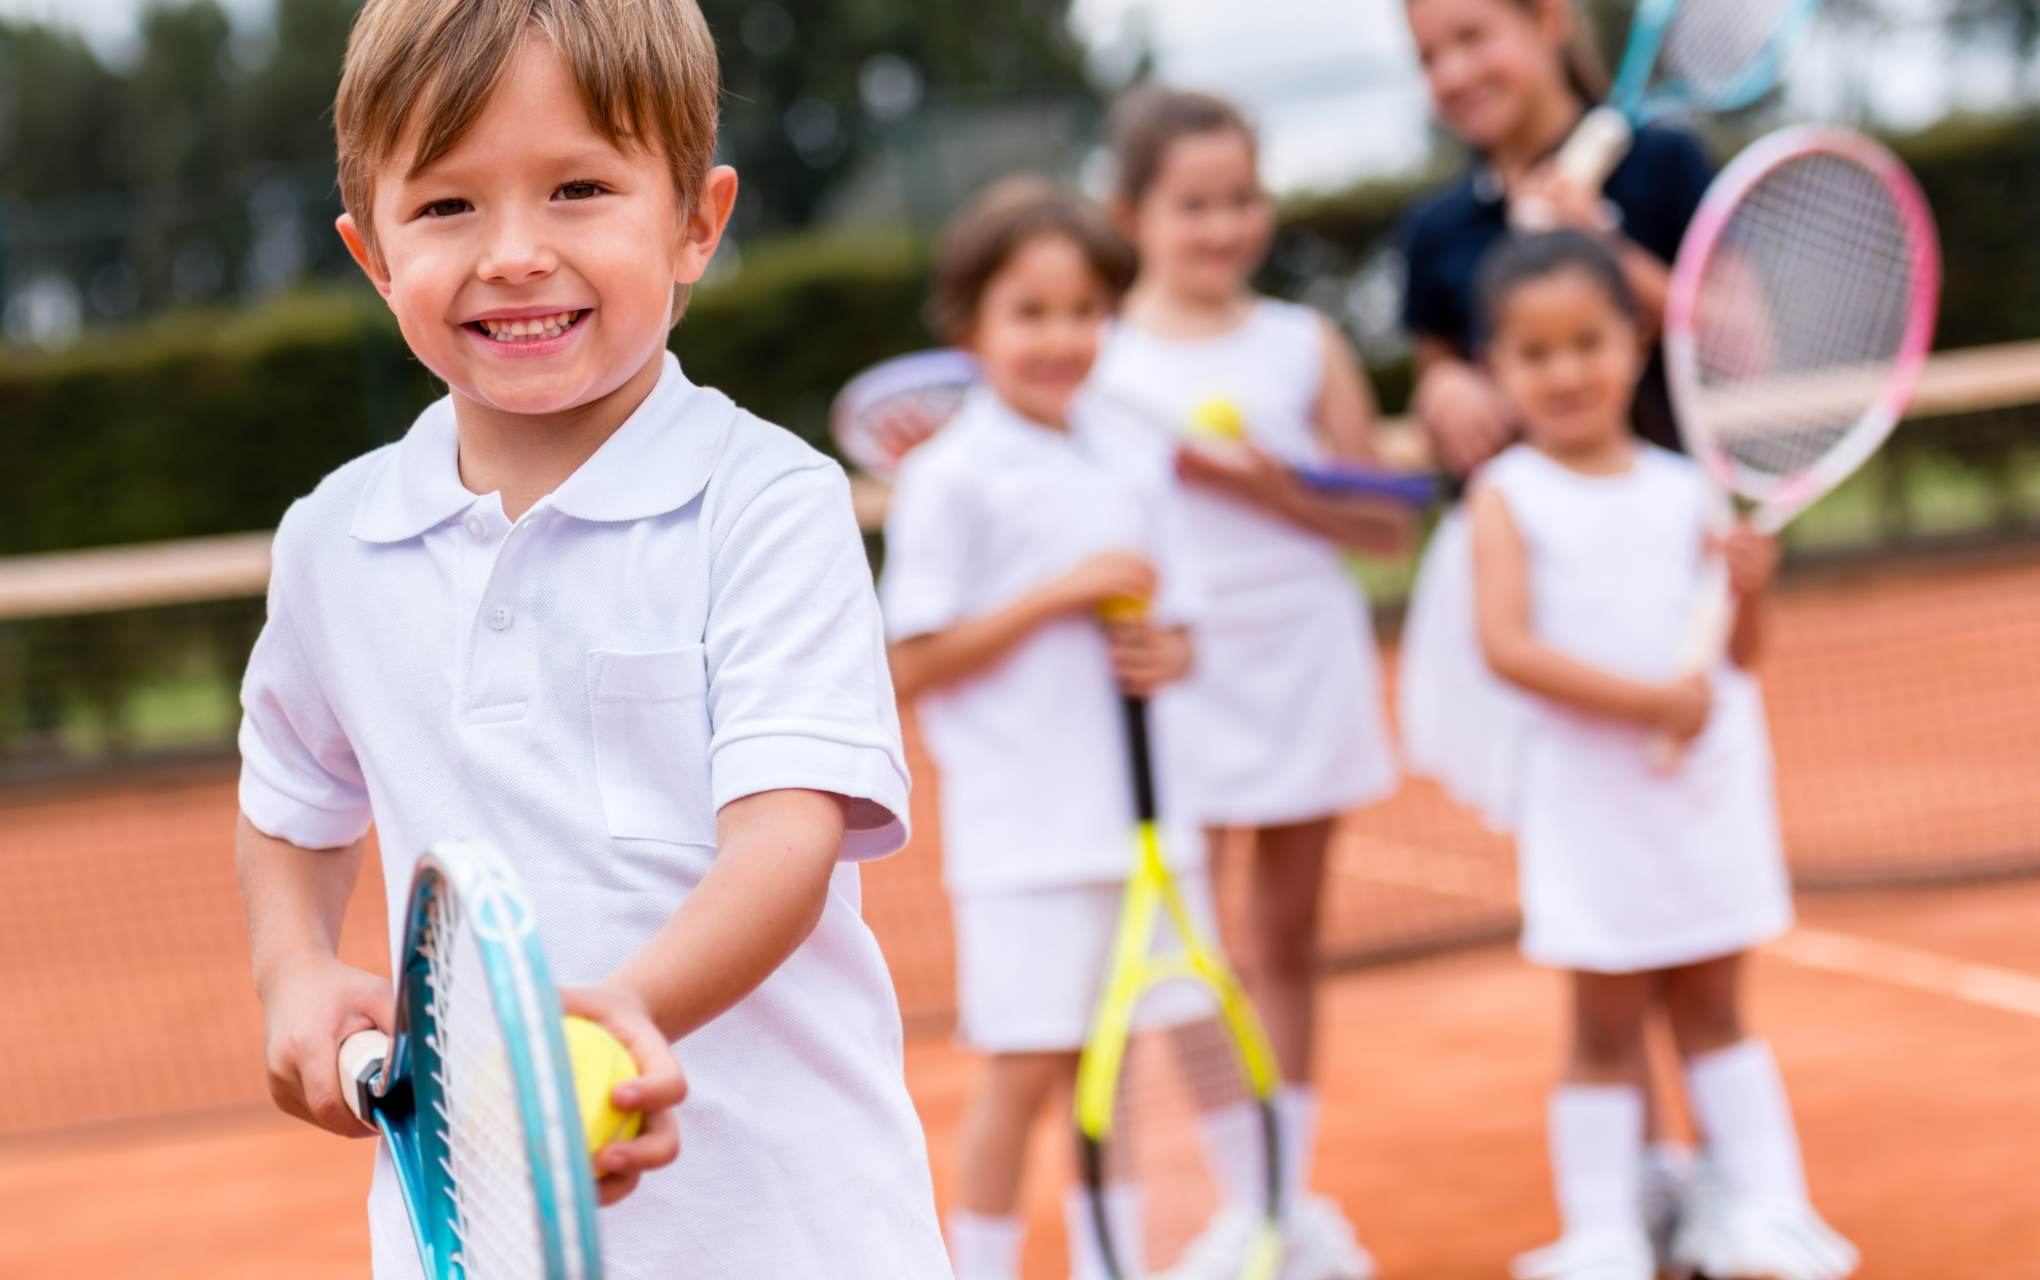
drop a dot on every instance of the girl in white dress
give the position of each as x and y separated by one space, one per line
1287 705
1647 883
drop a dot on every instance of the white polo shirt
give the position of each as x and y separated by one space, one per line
687 620
1035 789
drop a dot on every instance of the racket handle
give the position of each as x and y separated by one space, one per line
1412 488
1597 144
361 1062
1706 640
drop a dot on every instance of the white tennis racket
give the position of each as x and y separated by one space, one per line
1797 324
1683 56
474 1095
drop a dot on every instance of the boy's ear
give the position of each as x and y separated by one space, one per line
1122 213
703 229
364 257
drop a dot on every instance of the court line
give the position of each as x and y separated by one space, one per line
1903 966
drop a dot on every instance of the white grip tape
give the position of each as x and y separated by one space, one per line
1597 144
1706 640
361 1059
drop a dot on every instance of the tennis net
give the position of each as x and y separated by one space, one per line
1902 677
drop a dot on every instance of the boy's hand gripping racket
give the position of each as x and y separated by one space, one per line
1175 1049
1797 324
474 1094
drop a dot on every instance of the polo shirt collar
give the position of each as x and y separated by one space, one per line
656 462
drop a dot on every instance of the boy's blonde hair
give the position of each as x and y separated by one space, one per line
646 69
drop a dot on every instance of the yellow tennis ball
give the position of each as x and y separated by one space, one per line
600 1063
1219 419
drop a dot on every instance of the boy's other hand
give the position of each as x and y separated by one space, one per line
1682 708
308 1008
1146 657
1108 575
659 1087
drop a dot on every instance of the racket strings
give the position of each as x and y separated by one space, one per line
486 1164
1804 305
1712 46
1186 1135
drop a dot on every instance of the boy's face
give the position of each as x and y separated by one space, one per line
532 267
1038 325
1568 360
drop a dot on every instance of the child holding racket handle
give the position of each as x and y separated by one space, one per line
1009 530
1647 886
1286 698
612 625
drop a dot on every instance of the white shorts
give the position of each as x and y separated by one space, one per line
1030 962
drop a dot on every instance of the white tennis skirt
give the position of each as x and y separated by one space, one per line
1031 962
1283 712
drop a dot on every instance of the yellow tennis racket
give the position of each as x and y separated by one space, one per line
1175 1088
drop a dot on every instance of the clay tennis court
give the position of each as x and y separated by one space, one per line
134 1141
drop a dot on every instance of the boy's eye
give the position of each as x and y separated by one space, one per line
584 190
446 208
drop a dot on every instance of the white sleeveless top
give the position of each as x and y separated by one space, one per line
1272 367
1623 867
1285 699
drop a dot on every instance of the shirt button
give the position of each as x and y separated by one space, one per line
476 528
501 617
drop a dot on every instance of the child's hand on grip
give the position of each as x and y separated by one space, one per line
1104 577
655 1091
1145 657
1682 708
1752 558
308 1008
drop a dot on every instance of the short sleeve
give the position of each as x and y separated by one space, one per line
1660 187
927 554
799 695
300 780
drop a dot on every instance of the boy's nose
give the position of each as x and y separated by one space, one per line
515 252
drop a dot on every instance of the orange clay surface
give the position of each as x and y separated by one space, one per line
1906 716
1919 1113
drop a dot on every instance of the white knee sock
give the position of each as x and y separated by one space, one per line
1597 1155
984 1246
1739 1101
1296 1123
1232 1143
1124 1218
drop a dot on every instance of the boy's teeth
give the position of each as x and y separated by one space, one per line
535 328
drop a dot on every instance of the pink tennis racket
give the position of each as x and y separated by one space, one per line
1797 324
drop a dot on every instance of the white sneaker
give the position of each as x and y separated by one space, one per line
1671 1182
1608 1253
1220 1252
1318 1244
1743 1239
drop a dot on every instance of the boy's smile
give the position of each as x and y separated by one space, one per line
533 266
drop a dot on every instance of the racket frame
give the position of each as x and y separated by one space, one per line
401 1093
1771 503
1603 136
911 376
1151 890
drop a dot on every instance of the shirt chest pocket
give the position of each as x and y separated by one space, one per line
651 743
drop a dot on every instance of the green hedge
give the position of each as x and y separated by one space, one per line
213 422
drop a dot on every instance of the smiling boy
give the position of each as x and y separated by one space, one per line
606 620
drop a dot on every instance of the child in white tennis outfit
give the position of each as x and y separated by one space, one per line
1647 882
1008 529
608 622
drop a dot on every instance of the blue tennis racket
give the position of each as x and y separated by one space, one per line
1684 56
474 1093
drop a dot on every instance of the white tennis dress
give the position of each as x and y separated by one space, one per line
1286 698
1625 867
